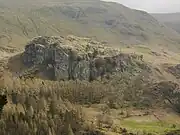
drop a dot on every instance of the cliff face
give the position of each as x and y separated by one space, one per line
74 58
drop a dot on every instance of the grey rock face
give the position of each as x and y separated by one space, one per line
82 71
67 62
34 54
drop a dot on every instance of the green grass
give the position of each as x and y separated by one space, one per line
156 128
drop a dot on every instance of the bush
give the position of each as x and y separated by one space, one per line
50 107
170 92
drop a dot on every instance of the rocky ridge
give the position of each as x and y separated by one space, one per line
73 58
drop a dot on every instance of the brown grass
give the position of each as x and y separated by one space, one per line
48 107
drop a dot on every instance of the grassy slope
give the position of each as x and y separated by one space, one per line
108 22
171 20
167 121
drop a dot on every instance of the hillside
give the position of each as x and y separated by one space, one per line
129 98
172 20
104 21
86 67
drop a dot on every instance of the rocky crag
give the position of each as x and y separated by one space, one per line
174 70
75 58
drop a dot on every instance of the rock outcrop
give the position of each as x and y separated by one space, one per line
175 70
74 58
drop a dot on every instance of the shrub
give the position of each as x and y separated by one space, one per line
51 107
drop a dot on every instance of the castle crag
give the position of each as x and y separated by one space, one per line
75 58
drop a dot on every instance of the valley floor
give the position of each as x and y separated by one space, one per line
155 121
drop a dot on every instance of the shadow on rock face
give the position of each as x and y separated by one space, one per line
3 102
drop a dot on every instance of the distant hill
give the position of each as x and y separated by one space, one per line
109 22
170 19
